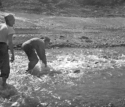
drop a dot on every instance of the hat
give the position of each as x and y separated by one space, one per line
9 16
46 39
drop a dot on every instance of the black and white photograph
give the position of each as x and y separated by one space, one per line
62 53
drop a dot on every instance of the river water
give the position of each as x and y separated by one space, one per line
83 78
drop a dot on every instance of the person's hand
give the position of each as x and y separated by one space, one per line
12 58
45 68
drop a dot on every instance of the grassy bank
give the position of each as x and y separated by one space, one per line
77 8
70 31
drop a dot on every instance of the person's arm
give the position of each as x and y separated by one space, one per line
44 60
10 44
42 55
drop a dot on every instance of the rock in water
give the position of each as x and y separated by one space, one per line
27 101
39 70
7 92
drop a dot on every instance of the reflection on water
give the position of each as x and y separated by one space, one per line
88 78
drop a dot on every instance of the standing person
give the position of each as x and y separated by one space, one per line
35 50
6 34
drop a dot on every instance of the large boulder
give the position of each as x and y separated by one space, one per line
8 91
40 70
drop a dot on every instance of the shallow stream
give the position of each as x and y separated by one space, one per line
86 78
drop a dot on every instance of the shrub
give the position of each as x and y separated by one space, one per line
100 2
0 3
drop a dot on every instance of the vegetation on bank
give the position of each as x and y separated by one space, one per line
84 8
69 2
99 33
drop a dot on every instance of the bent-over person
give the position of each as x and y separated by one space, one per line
35 50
